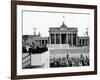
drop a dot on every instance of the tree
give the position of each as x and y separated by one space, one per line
25 37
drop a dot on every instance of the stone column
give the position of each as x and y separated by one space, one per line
71 39
55 38
66 38
77 41
60 38
44 42
81 42
50 39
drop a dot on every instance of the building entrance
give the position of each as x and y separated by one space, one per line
63 38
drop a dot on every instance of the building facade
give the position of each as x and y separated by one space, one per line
37 40
60 35
66 35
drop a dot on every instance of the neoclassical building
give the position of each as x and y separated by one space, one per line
66 35
60 35
61 41
38 40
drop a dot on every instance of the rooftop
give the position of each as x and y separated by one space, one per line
62 27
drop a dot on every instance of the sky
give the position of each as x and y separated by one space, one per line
44 20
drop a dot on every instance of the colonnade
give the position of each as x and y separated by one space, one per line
63 38
42 42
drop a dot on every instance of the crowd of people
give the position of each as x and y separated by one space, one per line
68 61
34 50
37 49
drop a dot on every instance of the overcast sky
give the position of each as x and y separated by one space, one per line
43 20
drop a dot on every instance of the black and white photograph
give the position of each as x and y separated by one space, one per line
53 39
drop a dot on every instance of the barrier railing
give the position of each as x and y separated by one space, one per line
26 61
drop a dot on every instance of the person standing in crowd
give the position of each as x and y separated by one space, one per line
30 50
